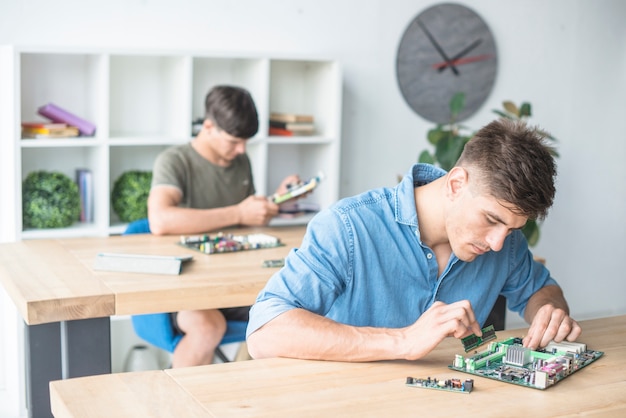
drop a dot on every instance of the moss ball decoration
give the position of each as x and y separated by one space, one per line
129 197
49 200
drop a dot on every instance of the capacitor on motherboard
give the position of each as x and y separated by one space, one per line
468 385
459 361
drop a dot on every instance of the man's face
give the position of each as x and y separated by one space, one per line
477 222
226 146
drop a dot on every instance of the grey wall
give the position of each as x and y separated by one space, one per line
568 57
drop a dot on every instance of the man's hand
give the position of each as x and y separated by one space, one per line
438 322
256 211
550 323
284 185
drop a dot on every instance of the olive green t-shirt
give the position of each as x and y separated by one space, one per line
203 184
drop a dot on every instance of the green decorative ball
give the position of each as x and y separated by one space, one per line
49 200
129 197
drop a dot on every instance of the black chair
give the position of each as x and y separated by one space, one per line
498 314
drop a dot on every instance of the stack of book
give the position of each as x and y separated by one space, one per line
291 124
48 130
62 124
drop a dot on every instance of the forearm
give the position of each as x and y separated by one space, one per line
301 334
176 220
552 295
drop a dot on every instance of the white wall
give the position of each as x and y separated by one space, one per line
567 57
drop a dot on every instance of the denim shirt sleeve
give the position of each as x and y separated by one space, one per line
525 276
313 276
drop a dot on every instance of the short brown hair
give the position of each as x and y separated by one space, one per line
515 164
232 109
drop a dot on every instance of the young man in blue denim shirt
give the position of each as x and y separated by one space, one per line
390 273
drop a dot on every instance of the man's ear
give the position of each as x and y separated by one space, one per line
208 124
457 181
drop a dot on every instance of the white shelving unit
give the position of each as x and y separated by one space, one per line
145 101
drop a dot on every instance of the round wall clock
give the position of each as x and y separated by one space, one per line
446 49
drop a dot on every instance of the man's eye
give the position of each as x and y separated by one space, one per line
491 221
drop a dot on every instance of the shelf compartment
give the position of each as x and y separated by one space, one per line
148 96
129 158
70 81
309 88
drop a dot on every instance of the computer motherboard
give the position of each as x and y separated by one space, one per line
509 361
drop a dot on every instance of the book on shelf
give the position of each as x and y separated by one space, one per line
43 125
291 129
52 132
84 180
290 132
291 117
280 132
293 126
60 115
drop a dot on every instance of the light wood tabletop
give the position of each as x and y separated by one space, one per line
53 280
66 304
288 387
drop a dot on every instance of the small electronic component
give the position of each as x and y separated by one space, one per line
224 243
274 263
509 361
473 341
450 385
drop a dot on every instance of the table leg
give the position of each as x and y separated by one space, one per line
62 350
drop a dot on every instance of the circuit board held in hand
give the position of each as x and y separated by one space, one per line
473 341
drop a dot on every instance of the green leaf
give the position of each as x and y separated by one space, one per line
510 107
502 114
531 232
457 103
449 150
525 110
435 135
426 157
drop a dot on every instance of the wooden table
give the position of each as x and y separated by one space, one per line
66 305
288 387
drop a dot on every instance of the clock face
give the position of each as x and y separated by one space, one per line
446 49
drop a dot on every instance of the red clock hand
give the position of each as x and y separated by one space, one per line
462 61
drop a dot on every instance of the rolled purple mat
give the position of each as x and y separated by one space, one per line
59 115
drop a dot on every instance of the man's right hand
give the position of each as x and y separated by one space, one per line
256 211
438 322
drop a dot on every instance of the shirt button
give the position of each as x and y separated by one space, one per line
429 256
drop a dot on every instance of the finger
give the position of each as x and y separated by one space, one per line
460 316
531 340
564 330
575 332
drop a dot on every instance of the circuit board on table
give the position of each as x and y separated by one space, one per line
226 243
448 385
509 361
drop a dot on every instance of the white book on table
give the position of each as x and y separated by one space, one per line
140 263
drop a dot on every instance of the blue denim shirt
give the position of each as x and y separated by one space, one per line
362 263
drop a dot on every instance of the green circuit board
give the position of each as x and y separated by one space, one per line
509 361
228 243
448 385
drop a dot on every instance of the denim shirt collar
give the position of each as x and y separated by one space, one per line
404 196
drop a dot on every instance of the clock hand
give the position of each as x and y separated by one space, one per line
437 47
461 61
463 52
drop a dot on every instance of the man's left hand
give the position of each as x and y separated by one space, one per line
551 323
